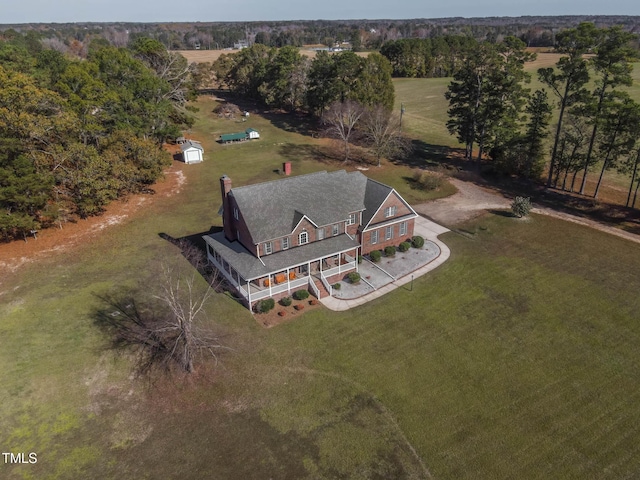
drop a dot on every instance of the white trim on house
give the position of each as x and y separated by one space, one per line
298 224
393 190
405 225
404 218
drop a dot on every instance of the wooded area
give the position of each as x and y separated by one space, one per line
598 122
77 134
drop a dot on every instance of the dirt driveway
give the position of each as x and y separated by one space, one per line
471 201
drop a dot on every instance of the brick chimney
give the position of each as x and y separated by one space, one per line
227 214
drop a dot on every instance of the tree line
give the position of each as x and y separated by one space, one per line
76 135
284 78
351 95
598 127
427 57
362 34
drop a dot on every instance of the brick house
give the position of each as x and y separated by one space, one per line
303 232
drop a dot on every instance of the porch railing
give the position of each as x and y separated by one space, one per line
339 269
314 288
326 284
276 289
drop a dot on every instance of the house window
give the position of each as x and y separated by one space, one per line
388 234
268 248
320 234
374 237
235 213
403 228
303 238
285 243
353 218
336 229
390 211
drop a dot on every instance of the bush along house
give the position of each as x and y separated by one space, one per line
303 232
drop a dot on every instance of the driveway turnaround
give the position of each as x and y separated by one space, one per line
434 255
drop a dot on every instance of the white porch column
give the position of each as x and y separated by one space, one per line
288 282
270 282
249 292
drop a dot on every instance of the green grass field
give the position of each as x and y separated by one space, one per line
516 359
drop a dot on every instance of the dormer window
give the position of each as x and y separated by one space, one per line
303 238
353 218
390 211
285 243
336 229
268 248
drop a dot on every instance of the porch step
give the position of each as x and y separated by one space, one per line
321 288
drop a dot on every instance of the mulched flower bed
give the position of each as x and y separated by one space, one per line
282 314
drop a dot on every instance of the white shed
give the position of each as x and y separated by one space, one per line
252 134
192 151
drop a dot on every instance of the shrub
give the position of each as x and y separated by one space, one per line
376 255
282 313
301 294
521 206
417 241
285 301
336 286
389 251
426 181
313 301
263 306
359 258
299 306
354 277
404 246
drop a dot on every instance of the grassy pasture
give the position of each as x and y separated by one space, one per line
426 116
515 359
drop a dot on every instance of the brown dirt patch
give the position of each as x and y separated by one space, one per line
202 56
52 241
273 318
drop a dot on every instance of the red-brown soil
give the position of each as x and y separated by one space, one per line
54 240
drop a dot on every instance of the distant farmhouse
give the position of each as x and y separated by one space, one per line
192 151
248 134
303 232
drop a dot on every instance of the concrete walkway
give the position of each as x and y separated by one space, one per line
423 227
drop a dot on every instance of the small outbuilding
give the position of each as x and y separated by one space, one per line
248 134
252 134
192 152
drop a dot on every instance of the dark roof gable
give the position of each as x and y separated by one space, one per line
273 209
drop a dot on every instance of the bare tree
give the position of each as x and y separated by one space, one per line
340 121
381 130
165 328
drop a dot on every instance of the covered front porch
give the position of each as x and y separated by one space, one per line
284 272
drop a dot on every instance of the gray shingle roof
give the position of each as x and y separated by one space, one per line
273 209
191 144
374 195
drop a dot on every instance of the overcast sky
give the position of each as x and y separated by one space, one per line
59 11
